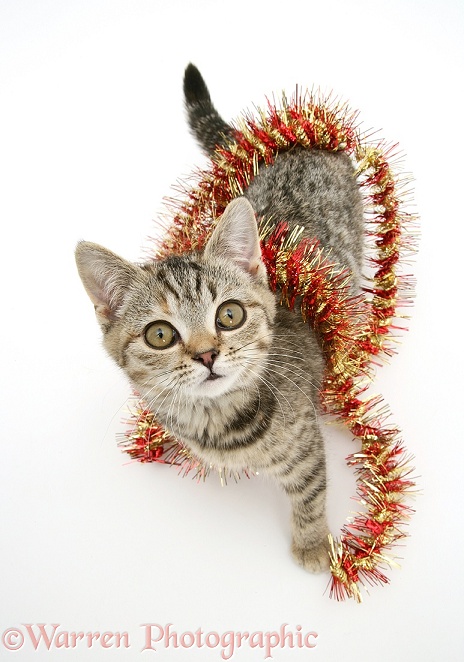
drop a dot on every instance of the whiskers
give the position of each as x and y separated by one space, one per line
256 371
166 384
275 392
283 373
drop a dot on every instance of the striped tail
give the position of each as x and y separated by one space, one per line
206 125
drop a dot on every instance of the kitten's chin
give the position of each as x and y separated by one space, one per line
214 386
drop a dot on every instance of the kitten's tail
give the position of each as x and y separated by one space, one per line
206 125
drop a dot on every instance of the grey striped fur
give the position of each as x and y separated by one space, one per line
246 396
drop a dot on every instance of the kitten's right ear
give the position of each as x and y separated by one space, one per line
106 278
236 238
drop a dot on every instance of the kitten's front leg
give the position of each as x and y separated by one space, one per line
307 490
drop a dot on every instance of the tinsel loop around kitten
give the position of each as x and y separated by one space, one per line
353 332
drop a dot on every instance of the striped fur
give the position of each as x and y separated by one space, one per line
245 396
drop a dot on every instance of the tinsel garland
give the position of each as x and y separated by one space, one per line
352 330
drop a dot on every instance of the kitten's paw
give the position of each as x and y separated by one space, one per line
314 559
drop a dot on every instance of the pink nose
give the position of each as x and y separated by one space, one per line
207 358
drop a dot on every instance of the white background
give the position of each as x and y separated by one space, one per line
92 137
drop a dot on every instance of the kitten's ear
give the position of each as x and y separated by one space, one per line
236 238
106 277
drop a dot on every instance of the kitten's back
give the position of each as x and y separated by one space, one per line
309 187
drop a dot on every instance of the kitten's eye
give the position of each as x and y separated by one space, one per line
230 315
160 335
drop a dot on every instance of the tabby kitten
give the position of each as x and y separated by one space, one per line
202 338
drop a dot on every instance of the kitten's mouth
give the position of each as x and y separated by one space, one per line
212 376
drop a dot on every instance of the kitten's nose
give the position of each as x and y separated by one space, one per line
207 358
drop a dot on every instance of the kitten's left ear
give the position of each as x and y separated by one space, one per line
236 238
106 278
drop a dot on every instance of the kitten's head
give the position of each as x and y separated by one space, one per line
189 327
